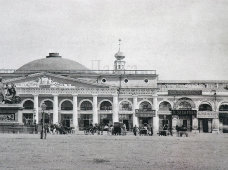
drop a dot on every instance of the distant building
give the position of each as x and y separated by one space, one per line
77 97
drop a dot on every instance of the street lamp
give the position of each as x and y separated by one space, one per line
34 120
43 107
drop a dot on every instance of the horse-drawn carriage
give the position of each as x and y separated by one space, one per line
182 131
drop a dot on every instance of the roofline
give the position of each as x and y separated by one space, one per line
191 81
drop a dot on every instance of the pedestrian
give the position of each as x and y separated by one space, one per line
45 131
124 129
135 129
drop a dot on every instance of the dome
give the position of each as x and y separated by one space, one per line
52 62
119 55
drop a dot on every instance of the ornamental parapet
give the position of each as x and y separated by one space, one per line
94 91
135 91
31 90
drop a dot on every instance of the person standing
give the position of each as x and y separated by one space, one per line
135 130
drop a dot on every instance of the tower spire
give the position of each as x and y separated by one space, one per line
119 43
119 63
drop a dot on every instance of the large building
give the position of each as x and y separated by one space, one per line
77 97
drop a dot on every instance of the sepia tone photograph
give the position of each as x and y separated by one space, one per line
113 85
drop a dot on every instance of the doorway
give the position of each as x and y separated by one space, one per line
185 123
86 123
205 125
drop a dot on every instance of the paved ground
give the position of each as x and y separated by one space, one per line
27 152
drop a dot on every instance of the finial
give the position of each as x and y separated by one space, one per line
119 43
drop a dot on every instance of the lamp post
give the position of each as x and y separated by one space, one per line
43 107
34 120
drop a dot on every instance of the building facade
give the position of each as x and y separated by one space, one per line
77 97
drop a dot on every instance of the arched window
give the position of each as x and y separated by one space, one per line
185 105
223 107
86 105
125 106
106 105
28 104
145 106
165 106
49 104
66 105
205 107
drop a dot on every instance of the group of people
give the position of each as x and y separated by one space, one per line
110 129
145 130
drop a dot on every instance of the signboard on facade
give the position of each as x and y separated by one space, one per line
164 112
142 113
184 92
207 114
184 112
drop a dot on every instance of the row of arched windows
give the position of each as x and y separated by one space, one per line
124 106
87 105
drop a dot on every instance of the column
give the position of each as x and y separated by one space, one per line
20 119
95 113
215 125
75 111
36 108
156 118
55 110
195 123
115 108
135 106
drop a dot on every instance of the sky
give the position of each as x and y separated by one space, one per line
181 39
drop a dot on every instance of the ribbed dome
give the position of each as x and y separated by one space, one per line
52 62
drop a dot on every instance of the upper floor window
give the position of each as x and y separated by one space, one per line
223 107
125 106
165 106
66 105
86 105
28 104
145 106
205 107
106 105
49 105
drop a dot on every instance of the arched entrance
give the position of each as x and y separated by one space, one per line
28 115
165 117
145 114
86 119
66 118
223 117
105 116
205 123
183 113
125 107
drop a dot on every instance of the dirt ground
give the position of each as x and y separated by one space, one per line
78 152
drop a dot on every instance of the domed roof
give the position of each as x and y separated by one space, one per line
119 55
52 62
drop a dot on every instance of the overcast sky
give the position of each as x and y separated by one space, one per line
181 39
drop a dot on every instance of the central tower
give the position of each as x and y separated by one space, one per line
119 63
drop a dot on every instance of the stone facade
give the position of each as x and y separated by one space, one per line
79 98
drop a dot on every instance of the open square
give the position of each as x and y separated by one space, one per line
28 152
